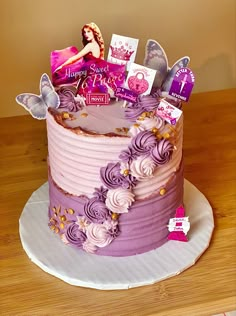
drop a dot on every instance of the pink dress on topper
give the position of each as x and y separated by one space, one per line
69 73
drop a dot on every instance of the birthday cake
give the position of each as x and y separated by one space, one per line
115 130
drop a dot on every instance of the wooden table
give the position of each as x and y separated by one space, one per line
207 288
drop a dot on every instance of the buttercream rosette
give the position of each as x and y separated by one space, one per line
74 235
162 152
143 168
96 211
119 200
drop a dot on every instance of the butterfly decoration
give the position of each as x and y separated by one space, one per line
37 105
155 58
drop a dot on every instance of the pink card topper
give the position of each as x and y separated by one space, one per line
126 94
168 112
179 225
140 79
97 99
122 50
99 76
182 84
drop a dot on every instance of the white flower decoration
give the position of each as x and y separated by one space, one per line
142 168
119 200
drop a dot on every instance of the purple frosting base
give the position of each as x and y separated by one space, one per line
143 229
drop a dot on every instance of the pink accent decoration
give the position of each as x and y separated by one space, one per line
121 53
97 99
178 235
138 83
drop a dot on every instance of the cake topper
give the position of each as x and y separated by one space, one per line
182 84
122 50
37 105
67 63
140 79
179 225
155 58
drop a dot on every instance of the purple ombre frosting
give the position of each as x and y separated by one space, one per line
100 194
143 143
74 235
162 152
113 179
145 103
96 211
67 99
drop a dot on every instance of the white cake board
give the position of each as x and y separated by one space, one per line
78 268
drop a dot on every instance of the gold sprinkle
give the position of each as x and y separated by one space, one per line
114 216
65 115
63 218
154 130
125 130
54 209
56 230
158 136
162 191
166 135
52 227
70 211
136 125
144 114
84 114
126 172
62 225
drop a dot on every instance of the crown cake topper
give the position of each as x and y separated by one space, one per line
122 50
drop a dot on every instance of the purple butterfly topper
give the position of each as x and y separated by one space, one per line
155 58
37 105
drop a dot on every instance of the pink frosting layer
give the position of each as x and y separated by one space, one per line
143 229
76 159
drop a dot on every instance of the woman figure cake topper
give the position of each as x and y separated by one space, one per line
67 63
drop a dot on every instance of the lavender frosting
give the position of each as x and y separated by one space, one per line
74 235
162 152
145 103
143 143
128 155
67 99
113 179
96 211
100 194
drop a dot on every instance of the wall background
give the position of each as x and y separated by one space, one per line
29 30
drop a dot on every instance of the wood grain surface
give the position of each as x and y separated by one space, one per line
207 288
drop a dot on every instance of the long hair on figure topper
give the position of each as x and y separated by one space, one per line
37 105
67 63
155 58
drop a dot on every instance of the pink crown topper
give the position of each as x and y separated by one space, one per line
121 53
122 50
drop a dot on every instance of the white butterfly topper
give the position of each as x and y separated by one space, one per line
155 58
37 105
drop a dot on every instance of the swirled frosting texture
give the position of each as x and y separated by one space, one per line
145 103
119 200
95 211
143 143
76 159
162 152
74 235
67 99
